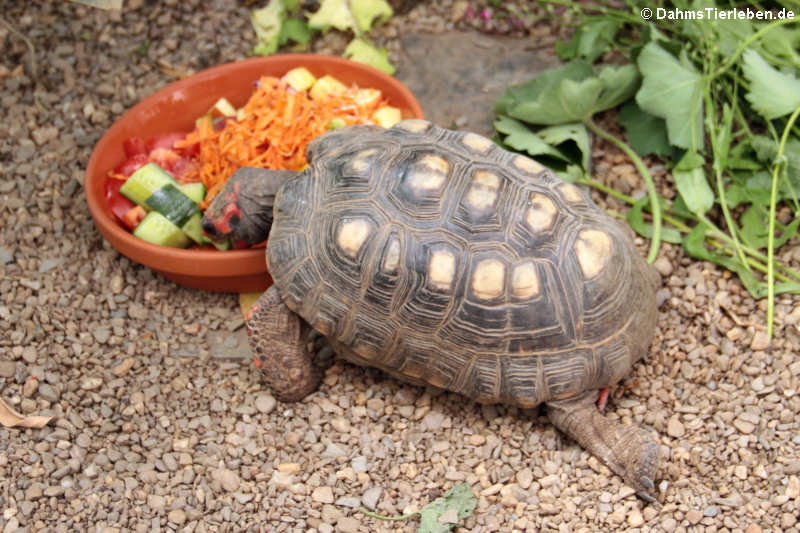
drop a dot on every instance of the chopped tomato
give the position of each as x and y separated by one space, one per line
134 146
133 216
131 165
118 204
182 168
164 140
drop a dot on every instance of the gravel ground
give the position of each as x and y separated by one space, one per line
155 430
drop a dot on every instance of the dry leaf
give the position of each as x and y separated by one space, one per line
10 418
246 301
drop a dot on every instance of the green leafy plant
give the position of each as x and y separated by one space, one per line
442 514
716 100
282 22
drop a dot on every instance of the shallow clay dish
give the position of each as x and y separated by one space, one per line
175 108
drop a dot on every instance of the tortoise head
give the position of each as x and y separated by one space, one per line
242 210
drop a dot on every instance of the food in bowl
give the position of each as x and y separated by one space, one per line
165 182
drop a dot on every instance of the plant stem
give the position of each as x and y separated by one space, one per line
747 42
655 206
780 163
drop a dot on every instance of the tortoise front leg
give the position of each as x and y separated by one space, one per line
629 451
279 348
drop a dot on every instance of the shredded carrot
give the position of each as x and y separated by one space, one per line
276 126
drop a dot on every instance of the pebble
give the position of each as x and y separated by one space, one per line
744 426
525 478
675 428
371 496
663 266
322 494
8 369
228 479
694 516
265 403
760 341
635 518
48 392
177 517
433 420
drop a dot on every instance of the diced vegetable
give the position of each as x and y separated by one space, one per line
387 116
157 229
118 204
133 217
131 165
202 121
326 86
300 79
153 188
223 245
134 146
368 97
164 140
193 228
336 123
222 108
173 204
145 182
195 191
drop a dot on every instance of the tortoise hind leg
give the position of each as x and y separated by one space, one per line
629 451
279 348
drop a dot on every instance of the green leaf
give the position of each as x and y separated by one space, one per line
619 84
334 13
694 244
766 151
571 174
755 229
267 24
557 135
782 42
646 133
645 229
672 90
355 15
532 89
363 52
521 138
730 34
366 11
693 186
590 40
569 100
294 30
772 93
460 499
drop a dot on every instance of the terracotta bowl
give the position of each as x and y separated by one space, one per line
175 108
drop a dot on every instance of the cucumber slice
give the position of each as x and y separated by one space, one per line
223 245
194 228
157 229
173 204
144 182
195 191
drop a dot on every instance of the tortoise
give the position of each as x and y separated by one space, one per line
445 260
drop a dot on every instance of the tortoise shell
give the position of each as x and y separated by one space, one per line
443 259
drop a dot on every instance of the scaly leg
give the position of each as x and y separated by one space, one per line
279 348
629 451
